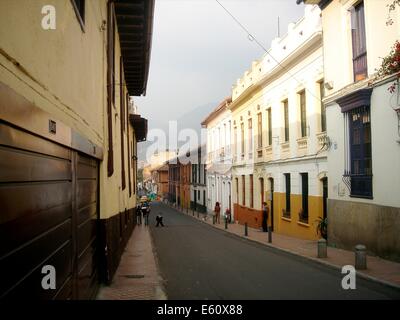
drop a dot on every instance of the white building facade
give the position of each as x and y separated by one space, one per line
219 157
363 126
279 132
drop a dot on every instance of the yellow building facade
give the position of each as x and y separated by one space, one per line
68 138
279 134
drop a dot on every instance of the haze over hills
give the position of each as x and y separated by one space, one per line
190 120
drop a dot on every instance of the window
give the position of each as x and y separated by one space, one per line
110 84
242 138
357 137
259 130
304 197
198 194
122 122
237 189
250 136
224 137
235 141
360 152
269 115
359 42
243 191
287 198
286 119
251 192
303 115
323 109
79 7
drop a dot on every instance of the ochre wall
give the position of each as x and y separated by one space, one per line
291 227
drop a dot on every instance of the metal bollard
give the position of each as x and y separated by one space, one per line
322 250
361 257
213 219
269 234
226 223
246 232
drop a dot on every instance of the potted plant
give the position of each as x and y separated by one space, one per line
390 65
322 227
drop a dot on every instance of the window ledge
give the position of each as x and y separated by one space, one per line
286 219
268 148
361 197
303 224
302 142
285 145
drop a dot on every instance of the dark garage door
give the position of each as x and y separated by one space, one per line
48 216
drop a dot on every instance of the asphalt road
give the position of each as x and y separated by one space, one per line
200 262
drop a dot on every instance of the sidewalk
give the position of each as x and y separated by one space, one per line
378 269
137 276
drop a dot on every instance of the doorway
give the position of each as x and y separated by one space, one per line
324 197
271 188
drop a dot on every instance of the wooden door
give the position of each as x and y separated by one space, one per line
48 216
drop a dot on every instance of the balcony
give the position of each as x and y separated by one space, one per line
302 143
322 139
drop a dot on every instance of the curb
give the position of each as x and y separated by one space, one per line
305 258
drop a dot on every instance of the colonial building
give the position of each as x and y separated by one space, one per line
159 177
179 172
198 194
219 157
68 138
279 128
362 124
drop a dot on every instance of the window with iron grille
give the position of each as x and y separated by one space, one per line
286 119
243 191
269 115
287 186
235 141
242 137
304 197
250 135
251 192
359 168
303 114
359 42
259 130
237 189
323 109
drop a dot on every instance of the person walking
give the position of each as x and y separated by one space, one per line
217 211
265 212
159 220
228 215
138 214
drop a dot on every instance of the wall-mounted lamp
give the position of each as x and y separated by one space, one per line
328 85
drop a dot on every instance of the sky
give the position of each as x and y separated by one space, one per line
199 51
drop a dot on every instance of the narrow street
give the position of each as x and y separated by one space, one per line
200 262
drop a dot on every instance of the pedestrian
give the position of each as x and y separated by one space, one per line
138 214
217 211
228 215
265 212
159 219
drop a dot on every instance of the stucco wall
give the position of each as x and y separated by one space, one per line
375 226
63 72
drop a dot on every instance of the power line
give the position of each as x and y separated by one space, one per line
253 38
